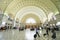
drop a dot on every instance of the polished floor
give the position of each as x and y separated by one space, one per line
12 34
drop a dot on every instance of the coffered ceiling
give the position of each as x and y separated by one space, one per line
12 7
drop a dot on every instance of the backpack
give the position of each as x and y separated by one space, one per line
35 35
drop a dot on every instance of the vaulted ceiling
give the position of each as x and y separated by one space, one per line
4 3
13 8
57 4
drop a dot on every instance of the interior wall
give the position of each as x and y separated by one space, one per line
58 17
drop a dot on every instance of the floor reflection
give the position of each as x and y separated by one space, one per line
29 35
24 35
1 36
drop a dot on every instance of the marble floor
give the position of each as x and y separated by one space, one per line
13 34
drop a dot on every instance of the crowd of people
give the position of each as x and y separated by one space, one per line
49 28
52 27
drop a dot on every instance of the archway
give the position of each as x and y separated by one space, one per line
30 20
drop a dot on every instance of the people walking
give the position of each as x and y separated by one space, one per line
37 32
53 35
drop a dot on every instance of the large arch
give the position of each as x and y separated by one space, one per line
34 10
30 15
16 5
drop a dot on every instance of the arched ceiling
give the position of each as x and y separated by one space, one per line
4 4
57 4
12 7
16 5
37 19
34 10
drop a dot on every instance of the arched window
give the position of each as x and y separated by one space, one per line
30 20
